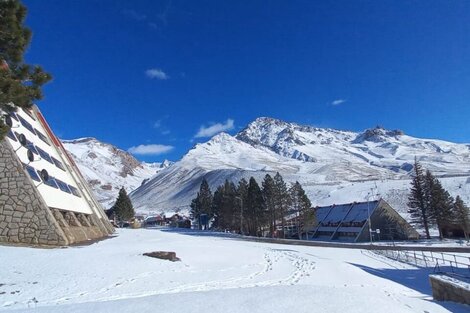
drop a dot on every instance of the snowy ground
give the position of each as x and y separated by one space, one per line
216 274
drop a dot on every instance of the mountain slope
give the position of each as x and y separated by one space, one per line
334 166
108 168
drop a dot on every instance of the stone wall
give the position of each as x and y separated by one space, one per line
24 217
445 288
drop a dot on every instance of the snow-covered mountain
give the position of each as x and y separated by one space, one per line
333 166
108 168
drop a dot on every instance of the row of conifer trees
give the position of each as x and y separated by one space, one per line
431 205
250 209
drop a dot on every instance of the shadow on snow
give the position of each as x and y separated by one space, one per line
413 278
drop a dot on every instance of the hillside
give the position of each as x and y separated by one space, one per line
108 168
334 166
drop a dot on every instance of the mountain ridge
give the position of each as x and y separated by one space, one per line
326 161
107 168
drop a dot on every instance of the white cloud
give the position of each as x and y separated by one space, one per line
214 129
151 149
156 73
338 101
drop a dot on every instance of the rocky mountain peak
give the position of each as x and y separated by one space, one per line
378 134
108 168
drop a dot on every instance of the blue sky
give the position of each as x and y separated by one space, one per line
160 76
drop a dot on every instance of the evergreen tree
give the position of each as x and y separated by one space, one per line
438 202
202 204
205 198
255 208
224 204
242 197
301 205
282 200
418 207
195 211
123 208
20 83
461 214
269 195
217 203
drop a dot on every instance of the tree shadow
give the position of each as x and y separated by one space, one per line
200 233
416 279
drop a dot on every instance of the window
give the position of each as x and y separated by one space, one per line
45 155
13 116
41 136
58 163
63 186
11 135
51 182
74 191
26 124
29 144
32 173
29 113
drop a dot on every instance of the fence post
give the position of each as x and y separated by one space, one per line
424 258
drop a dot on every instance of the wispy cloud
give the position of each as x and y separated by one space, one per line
156 73
157 124
152 149
133 14
160 125
338 102
144 19
213 129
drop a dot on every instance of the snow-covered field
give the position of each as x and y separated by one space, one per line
216 274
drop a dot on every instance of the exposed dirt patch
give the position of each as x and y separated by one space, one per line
164 255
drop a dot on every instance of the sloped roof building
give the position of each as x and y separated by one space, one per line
44 199
350 222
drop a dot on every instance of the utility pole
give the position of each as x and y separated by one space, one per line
368 216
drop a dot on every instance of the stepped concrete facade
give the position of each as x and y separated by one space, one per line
39 209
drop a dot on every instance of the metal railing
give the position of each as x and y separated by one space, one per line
439 261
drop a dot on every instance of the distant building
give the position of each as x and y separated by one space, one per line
155 220
44 199
350 222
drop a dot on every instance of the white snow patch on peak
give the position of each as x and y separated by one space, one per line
79 140
332 165
108 168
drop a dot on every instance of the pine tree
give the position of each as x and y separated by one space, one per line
438 201
255 207
269 196
301 205
195 211
418 208
202 204
20 83
123 208
217 203
205 198
461 214
242 197
224 205
282 200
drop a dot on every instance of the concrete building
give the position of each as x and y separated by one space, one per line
44 199
350 222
